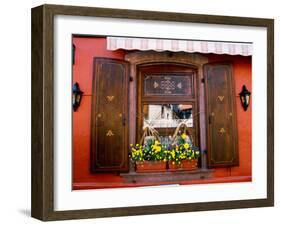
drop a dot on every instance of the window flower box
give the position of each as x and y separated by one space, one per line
150 166
150 157
183 165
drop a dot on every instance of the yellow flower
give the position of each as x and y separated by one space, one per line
157 142
157 148
183 136
186 145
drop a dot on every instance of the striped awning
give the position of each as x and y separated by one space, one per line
190 46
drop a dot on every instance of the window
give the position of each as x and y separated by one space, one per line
167 98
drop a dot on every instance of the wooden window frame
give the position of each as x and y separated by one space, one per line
139 58
167 99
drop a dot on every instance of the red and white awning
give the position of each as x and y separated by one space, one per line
159 45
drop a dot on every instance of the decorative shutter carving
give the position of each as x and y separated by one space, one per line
221 114
109 126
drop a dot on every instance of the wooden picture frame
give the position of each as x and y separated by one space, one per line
42 203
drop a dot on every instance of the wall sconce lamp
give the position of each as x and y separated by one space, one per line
76 96
245 97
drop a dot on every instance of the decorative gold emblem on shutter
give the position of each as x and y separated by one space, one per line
110 98
221 98
222 130
109 133
99 115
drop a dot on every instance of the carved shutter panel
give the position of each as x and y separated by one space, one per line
221 115
109 139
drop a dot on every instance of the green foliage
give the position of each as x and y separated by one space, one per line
183 150
153 150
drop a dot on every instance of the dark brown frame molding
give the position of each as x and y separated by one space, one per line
42 203
192 60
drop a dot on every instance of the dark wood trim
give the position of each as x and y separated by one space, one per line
43 107
157 209
270 111
42 113
156 15
37 199
153 68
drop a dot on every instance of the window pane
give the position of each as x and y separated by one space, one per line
165 118
167 115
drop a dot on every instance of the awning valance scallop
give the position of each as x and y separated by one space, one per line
190 46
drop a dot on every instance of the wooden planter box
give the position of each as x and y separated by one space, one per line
184 165
150 166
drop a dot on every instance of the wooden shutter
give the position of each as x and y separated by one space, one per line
109 127
221 114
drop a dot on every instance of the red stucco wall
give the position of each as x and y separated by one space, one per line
86 50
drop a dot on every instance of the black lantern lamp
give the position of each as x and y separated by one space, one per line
76 96
245 97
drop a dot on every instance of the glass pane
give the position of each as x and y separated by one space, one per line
167 115
165 118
